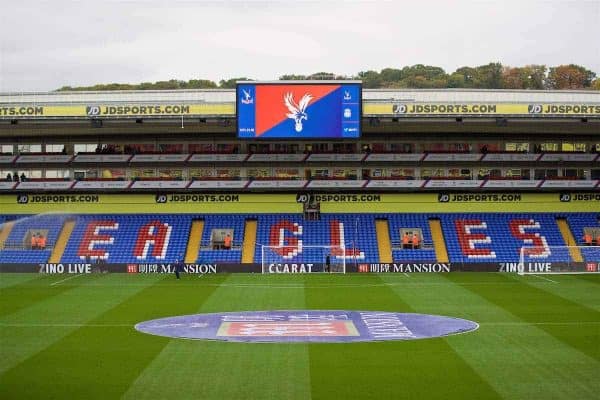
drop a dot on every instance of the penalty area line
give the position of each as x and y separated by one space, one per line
66 279
544 278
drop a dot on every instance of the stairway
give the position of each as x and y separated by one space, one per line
569 239
4 232
384 244
439 244
61 242
249 241
194 241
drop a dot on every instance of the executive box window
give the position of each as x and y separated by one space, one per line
30 148
517 147
573 147
85 147
55 148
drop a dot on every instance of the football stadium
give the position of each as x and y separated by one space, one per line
300 239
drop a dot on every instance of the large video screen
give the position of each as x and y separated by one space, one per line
299 110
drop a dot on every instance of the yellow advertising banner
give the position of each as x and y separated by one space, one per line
523 109
16 111
254 203
125 110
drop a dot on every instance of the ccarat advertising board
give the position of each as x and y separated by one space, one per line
299 110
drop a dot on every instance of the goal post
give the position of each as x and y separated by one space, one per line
302 258
559 260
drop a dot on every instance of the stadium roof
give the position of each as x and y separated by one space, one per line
369 95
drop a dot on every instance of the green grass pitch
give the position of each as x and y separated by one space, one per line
64 337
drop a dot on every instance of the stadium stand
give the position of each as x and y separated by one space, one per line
134 238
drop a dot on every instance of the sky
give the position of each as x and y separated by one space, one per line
45 45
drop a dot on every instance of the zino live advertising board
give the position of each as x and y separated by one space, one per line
385 108
292 203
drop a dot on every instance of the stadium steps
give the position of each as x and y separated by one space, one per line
5 229
194 241
62 241
384 243
439 244
565 231
249 241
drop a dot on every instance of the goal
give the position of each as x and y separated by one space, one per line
302 259
559 260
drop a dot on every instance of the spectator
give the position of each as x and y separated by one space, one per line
34 242
23 177
416 241
405 241
15 177
41 242
9 177
227 242
587 239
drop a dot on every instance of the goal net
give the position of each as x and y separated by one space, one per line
302 259
559 260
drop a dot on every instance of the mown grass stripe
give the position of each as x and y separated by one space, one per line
10 279
593 278
518 359
580 291
33 328
19 296
532 304
428 369
89 363
21 338
223 370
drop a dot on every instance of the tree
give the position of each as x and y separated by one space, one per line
456 80
291 77
513 78
391 76
470 76
321 76
201 84
569 77
370 79
536 76
230 83
490 76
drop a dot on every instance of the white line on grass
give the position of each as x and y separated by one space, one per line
34 325
407 275
313 286
544 278
59 325
541 323
64 280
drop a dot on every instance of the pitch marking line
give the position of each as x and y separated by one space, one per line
66 279
58 325
309 286
544 278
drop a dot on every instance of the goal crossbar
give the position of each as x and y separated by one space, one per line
300 258
559 260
